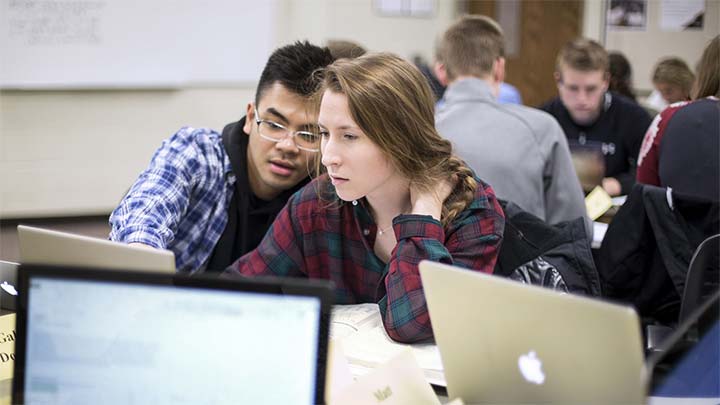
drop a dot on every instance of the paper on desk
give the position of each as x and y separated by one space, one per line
338 375
373 346
599 230
367 344
619 200
597 202
349 319
397 382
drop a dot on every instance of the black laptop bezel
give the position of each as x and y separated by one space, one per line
264 285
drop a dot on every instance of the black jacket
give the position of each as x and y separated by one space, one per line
620 129
554 256
647 249
248 216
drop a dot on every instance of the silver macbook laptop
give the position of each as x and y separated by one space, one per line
506 342
44 246
157 338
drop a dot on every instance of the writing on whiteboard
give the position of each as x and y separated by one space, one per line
54 22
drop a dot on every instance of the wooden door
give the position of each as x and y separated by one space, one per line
545 26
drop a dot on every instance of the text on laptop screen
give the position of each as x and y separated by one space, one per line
109 342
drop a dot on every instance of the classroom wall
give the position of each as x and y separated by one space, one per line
644 48
65 152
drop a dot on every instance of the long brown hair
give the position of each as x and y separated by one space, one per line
708 71
390 100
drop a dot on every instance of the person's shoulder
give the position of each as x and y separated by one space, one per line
629 107
696 105
484 207
551 105
484 194
693 115
531 113
538 121
195 136
671 109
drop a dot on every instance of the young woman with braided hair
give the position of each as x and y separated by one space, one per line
392 194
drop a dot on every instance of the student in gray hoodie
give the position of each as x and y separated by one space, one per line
522 152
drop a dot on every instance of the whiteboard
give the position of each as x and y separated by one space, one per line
63 44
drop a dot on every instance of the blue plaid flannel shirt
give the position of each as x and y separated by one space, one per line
180 201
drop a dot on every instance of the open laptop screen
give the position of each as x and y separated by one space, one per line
110 341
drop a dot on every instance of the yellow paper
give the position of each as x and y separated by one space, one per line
7 346
597 203
399 381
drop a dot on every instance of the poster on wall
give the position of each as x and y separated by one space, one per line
405 8
681 15
627 15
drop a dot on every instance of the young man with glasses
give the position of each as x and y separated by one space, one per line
211 197
591 115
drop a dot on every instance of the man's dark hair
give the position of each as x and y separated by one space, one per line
293 67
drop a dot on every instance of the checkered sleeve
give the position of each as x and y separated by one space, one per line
472 241
155 204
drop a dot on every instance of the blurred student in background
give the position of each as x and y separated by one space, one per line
591 115
394 194
341 48
681 147
521 151
621 75
673 80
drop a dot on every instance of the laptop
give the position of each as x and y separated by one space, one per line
589 163
44 246
506 342
139 337
8 282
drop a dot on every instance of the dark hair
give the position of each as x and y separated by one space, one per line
620 75
293 66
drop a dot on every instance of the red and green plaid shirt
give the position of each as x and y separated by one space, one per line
326 238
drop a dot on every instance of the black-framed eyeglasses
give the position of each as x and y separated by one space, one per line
274 132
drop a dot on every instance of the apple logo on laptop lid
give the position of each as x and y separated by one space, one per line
8 288
8 291
531 368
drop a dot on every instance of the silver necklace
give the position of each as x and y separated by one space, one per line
383 231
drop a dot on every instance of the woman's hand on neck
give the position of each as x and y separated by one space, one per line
431 202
